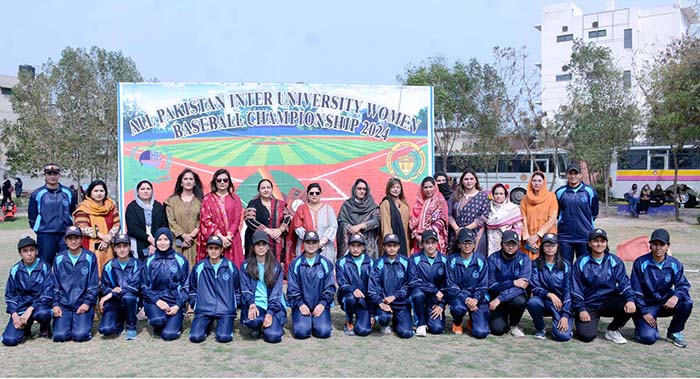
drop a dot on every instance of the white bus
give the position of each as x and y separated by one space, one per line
513 169
654 165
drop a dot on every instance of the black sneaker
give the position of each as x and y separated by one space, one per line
255 333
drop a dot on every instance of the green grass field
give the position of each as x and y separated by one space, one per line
446 355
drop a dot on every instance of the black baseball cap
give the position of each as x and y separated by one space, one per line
573 167
260 236
73 231
428 234
356 238
121 238
26 241
391 238
466 235
597 232
311 235
510 236
660 235
550 238
215 240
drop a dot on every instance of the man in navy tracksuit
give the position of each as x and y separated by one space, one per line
388 289
578 208
428 282
214 293
75 293
662 291
509 276
352 272
50 210
310 290
469 274
120 286
600 287
28 295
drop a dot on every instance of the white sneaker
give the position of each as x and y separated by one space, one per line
386 329
615 336
515 331
421 331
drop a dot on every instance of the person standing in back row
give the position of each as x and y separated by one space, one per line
578 208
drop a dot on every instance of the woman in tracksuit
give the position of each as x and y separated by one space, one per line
75 293
214 292
310 290
120 286
164 287
469 273
551 291
28 295
388 289
352 272
261 289
427 279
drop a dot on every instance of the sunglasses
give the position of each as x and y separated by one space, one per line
314 193
224 180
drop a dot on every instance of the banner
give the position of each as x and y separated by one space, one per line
292 134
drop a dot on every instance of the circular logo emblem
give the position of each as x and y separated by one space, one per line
406 161
441 271
320 275
65 202
559 275
399 274
84 270
475 274
40 279
667 278
173 269
225 276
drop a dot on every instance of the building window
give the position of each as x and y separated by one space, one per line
565 37
628 38
597 33
563 77
6 91
627 79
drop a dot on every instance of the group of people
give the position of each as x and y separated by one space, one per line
641 200
391 264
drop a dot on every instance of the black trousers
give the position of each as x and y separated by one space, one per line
613 306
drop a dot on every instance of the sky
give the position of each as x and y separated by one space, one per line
332 42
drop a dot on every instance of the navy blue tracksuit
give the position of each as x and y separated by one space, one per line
470 280
390 278
310 284
601 288
76 284
427 276
122 307
49 215
165 278
267 300
550 279
654 284
26 289
502 273
578 209
214 294
350 277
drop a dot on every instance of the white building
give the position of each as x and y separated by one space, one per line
631 33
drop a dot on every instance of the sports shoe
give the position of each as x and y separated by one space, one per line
131 334
255 333
348 329
515 331
421 331
615 337
540 334
678 339
386 329
457 329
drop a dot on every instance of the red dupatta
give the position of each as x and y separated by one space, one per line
224 219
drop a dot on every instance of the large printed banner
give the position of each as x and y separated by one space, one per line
292 134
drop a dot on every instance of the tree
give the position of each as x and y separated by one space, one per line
601 109
468 104
672 90
68 114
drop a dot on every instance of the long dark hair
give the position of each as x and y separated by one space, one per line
95 183
218 172
390 184
541 261
460 186
197 190
270 265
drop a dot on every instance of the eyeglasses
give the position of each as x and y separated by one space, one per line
224 180
314 193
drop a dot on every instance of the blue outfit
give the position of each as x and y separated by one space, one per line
353 273
165 278
470 280
600 287
654 283
122 307
214 294
427 276
77 283
390 278
557 281
49 214
502 273
578 208
28 287
310 283
267 300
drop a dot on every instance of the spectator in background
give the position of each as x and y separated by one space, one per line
644 200
18 190
6 188
633 199
658 197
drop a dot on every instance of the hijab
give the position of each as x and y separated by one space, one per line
147 208
169 234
